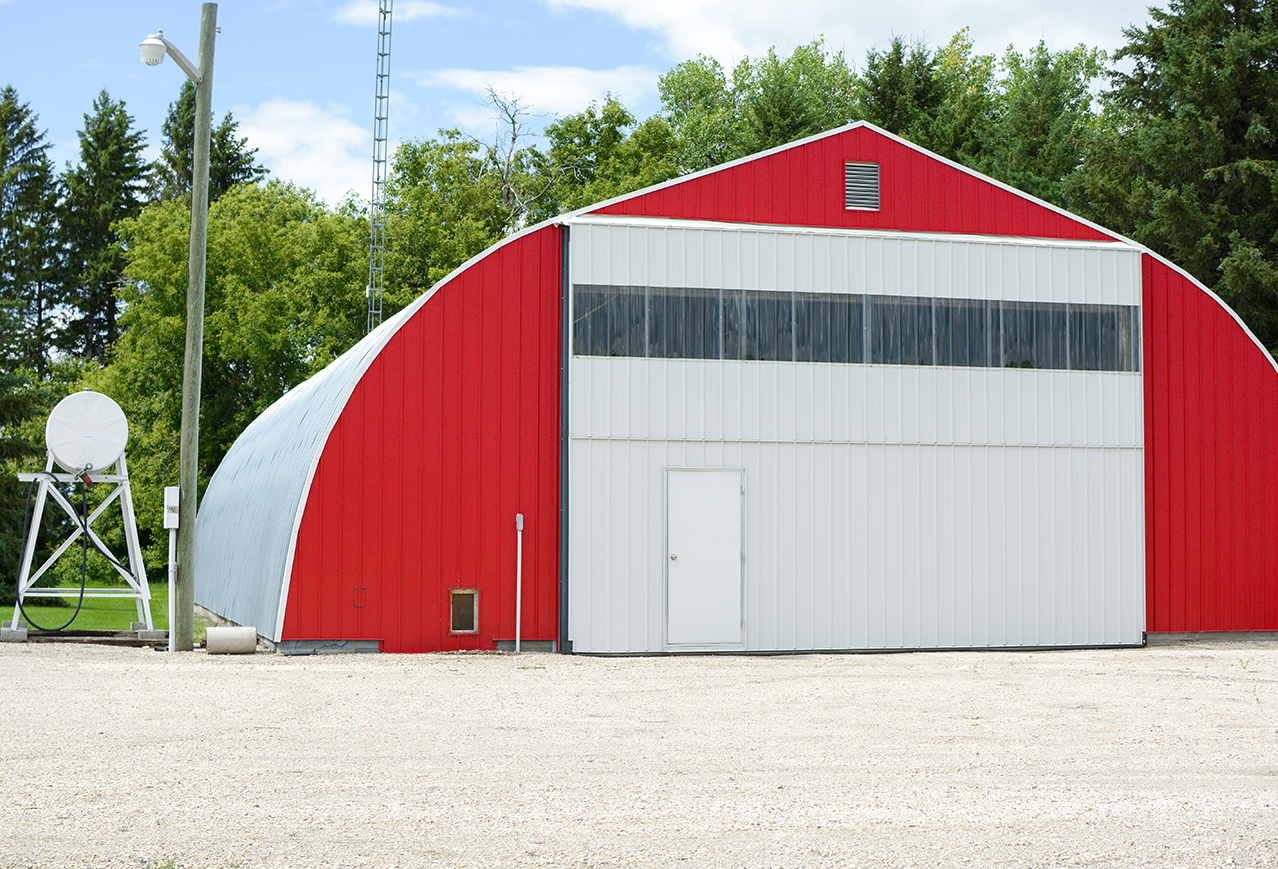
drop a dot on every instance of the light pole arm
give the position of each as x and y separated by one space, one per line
180 59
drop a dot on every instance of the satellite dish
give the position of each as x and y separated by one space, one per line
86 431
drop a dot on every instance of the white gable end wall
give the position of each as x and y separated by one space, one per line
886 506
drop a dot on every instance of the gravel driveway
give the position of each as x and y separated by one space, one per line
1166 757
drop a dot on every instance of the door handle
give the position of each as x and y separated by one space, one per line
674 558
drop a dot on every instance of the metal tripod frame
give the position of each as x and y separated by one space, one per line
135 575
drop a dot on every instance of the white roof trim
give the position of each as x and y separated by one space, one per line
723 226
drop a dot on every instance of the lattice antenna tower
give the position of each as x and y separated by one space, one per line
377 204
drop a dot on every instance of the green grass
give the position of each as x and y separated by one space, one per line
101 613
106 613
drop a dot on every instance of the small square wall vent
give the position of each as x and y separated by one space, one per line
861 186
464 611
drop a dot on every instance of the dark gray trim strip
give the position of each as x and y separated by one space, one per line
565 335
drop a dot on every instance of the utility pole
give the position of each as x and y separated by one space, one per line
193 361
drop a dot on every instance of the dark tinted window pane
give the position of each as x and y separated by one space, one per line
943 312
827 327
1018 334
683 323
973 341
589 320
1129 338
768 325
885 330
994 334
960 332
1050 339
732 324
856 329
1109 347
626 327
916 331
811 329
665 316
1084 337
900 330
608 321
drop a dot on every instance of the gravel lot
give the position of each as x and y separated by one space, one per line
1166 757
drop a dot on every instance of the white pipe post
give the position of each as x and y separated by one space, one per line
519 575
172 576
172 503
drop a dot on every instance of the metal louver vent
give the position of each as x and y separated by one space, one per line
861 186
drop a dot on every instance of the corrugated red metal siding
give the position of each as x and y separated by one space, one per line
803 186
1211 464
453 430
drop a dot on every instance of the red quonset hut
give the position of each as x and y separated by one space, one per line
871 399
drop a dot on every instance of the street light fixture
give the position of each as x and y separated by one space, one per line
153 49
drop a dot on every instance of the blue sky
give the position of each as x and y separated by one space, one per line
299 74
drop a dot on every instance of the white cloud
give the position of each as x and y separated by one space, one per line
67 151
313 146
545 90
365 12
728 32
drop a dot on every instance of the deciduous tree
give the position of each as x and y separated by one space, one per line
444 206
600 153
1036 140
284 297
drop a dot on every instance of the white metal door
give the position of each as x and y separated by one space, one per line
704 557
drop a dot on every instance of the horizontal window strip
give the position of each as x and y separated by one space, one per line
785 326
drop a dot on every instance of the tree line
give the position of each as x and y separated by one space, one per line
1170 141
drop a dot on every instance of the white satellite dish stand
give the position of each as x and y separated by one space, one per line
86 434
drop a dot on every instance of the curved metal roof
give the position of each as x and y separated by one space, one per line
252 506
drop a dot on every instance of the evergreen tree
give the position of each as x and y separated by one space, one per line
901 90
105 187
1185 154
17 405
29 261
230 160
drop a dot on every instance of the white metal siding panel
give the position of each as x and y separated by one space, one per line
886 506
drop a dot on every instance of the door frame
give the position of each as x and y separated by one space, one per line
665 563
